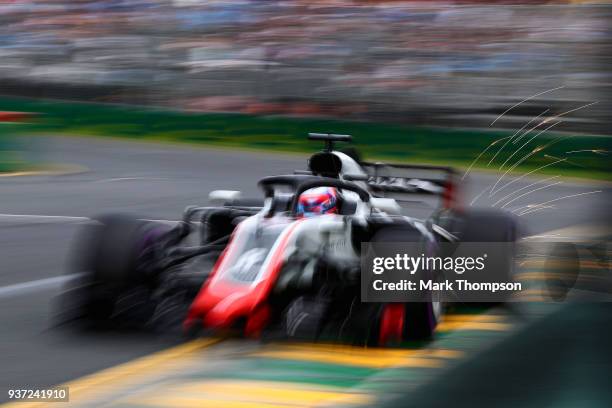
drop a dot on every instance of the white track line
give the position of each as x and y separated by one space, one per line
57 218
34 286
46 218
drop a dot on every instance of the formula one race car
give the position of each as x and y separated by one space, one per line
287 264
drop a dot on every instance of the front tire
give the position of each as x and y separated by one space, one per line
112 288
412 320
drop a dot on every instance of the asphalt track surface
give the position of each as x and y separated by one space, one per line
39 215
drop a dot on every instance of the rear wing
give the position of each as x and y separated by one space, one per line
385 178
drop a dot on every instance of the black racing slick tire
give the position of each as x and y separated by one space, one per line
489 225
365 326
420 318
111 285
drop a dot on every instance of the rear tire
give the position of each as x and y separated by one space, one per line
490 225
487 225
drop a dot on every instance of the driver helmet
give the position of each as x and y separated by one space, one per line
318 201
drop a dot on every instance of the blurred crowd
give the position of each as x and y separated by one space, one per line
409 60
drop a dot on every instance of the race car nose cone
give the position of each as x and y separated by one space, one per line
224 313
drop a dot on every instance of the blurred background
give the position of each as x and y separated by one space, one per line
519 89
443 63
449 64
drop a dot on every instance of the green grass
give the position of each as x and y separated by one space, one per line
392 142
11 150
